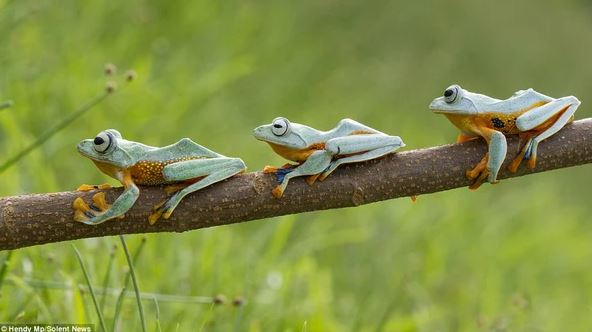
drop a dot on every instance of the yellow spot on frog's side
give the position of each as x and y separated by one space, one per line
294 154
149 172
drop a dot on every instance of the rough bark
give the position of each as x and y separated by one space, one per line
43 218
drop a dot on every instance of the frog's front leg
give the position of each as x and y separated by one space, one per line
101 211
360 148
316 163
211 169
497 148
545 121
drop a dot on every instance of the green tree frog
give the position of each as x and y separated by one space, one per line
530 114
185 166
319 153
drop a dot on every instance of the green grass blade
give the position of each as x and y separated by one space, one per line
4 268
134 282
53 130
157 309
121 296
90 288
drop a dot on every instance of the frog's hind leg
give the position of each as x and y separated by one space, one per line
373 154
314 165
359 148
546 120
211 170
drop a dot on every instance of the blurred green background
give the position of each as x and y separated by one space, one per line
517 256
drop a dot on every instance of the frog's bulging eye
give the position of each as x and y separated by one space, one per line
280 126
102 142
452 94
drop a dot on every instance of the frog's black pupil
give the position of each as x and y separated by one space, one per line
277 125
99 140
448 93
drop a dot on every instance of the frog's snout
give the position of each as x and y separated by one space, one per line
80 147
258 132
85 147
436 103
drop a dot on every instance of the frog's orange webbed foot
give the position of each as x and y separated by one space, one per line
161 210
84 211
479 173
89 187
478 169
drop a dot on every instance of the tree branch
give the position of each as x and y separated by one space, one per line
43 218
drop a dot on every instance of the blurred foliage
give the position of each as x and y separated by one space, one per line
515 256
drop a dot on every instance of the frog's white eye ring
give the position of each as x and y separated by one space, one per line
103 142
280 126
452 94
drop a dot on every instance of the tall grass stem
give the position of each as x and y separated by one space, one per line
134 282
90 288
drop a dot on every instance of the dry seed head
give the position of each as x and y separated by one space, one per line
110 69
130 75
219 299
238 301
110 87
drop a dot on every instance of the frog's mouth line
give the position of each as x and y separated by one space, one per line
437 111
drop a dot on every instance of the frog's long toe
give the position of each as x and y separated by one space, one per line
311 179
167 213
277 192
82 211
532 162
89 187
479 180
513 167
100 205
100 202
157 212
531 154
88 213
269 169
478 169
